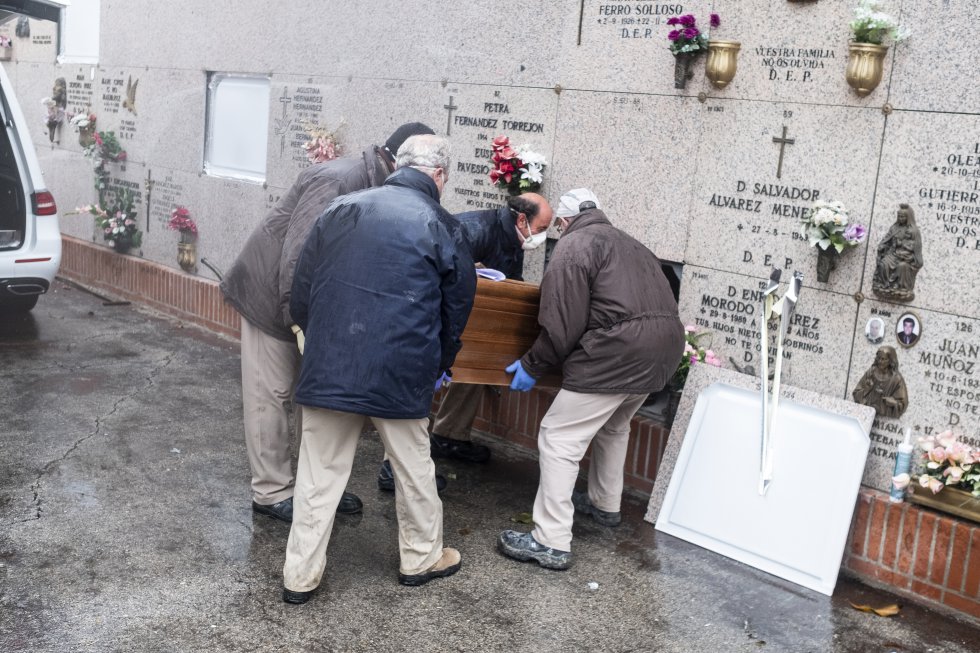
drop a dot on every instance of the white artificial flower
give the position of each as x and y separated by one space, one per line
529 156
532 173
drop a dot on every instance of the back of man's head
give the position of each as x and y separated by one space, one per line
571 203
425 151
524 204
403 133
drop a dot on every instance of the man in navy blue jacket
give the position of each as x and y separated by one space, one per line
382 291
498 239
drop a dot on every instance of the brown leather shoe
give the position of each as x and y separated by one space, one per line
447 565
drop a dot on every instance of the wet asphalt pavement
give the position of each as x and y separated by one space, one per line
126 525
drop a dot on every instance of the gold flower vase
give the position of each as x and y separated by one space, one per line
722 62
187 256
865 67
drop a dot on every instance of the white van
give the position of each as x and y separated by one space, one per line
30 239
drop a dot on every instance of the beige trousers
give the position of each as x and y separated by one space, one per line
326 454
270 368
456 413
574 420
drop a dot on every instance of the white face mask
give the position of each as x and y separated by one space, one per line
533 241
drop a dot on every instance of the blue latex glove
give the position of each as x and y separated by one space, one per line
522 380
445 379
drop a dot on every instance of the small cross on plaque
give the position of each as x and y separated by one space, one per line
449 119
783 142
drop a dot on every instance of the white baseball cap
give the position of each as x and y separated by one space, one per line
570 202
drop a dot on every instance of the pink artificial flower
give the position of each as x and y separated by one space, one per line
954 473
501 141
935 485
946 438
901 481
937 456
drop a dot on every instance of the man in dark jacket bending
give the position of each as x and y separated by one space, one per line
609 322
498 239
383 289
258 286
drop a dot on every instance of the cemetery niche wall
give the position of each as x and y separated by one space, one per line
719 180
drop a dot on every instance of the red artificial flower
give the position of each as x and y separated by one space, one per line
494 176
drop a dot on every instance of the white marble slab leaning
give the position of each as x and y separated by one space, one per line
798 530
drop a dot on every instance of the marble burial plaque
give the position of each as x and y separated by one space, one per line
473 117
616 144
299 105
941 377
935 69
932 163
622 46
760 168
728 307
376 108
792 52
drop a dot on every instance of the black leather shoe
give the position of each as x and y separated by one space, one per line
297 598
584 505
283 511
349 504
458 449
386 479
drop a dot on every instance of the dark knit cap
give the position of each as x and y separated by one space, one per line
402 134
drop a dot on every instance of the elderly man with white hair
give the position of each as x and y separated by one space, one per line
382 291
609 322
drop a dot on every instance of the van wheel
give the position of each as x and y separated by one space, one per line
20 304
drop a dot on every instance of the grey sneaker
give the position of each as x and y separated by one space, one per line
584 505
523 547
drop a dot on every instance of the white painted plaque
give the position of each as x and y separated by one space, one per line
798 530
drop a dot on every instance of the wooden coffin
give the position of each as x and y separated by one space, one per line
501 328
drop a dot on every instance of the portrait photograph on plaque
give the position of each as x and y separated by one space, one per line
908 329
874 330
